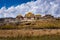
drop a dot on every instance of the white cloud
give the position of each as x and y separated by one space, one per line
39 6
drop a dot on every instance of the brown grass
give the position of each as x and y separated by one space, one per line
15 33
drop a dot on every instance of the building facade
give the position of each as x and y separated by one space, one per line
30 16
37 16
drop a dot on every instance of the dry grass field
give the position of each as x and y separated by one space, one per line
45 37
23 33
42 34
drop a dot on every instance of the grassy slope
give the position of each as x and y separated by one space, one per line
34 24
51 37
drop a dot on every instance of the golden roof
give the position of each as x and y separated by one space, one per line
29 14
38 14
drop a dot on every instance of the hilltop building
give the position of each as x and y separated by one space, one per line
37 16
48 16
19 17
30 16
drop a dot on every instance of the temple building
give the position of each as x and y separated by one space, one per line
37 16
48 16
30 16
19 17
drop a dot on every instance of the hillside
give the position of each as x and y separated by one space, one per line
37 24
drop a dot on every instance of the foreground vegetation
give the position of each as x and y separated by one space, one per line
46 37
39 24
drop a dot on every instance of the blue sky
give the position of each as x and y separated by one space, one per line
9 3
12 8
